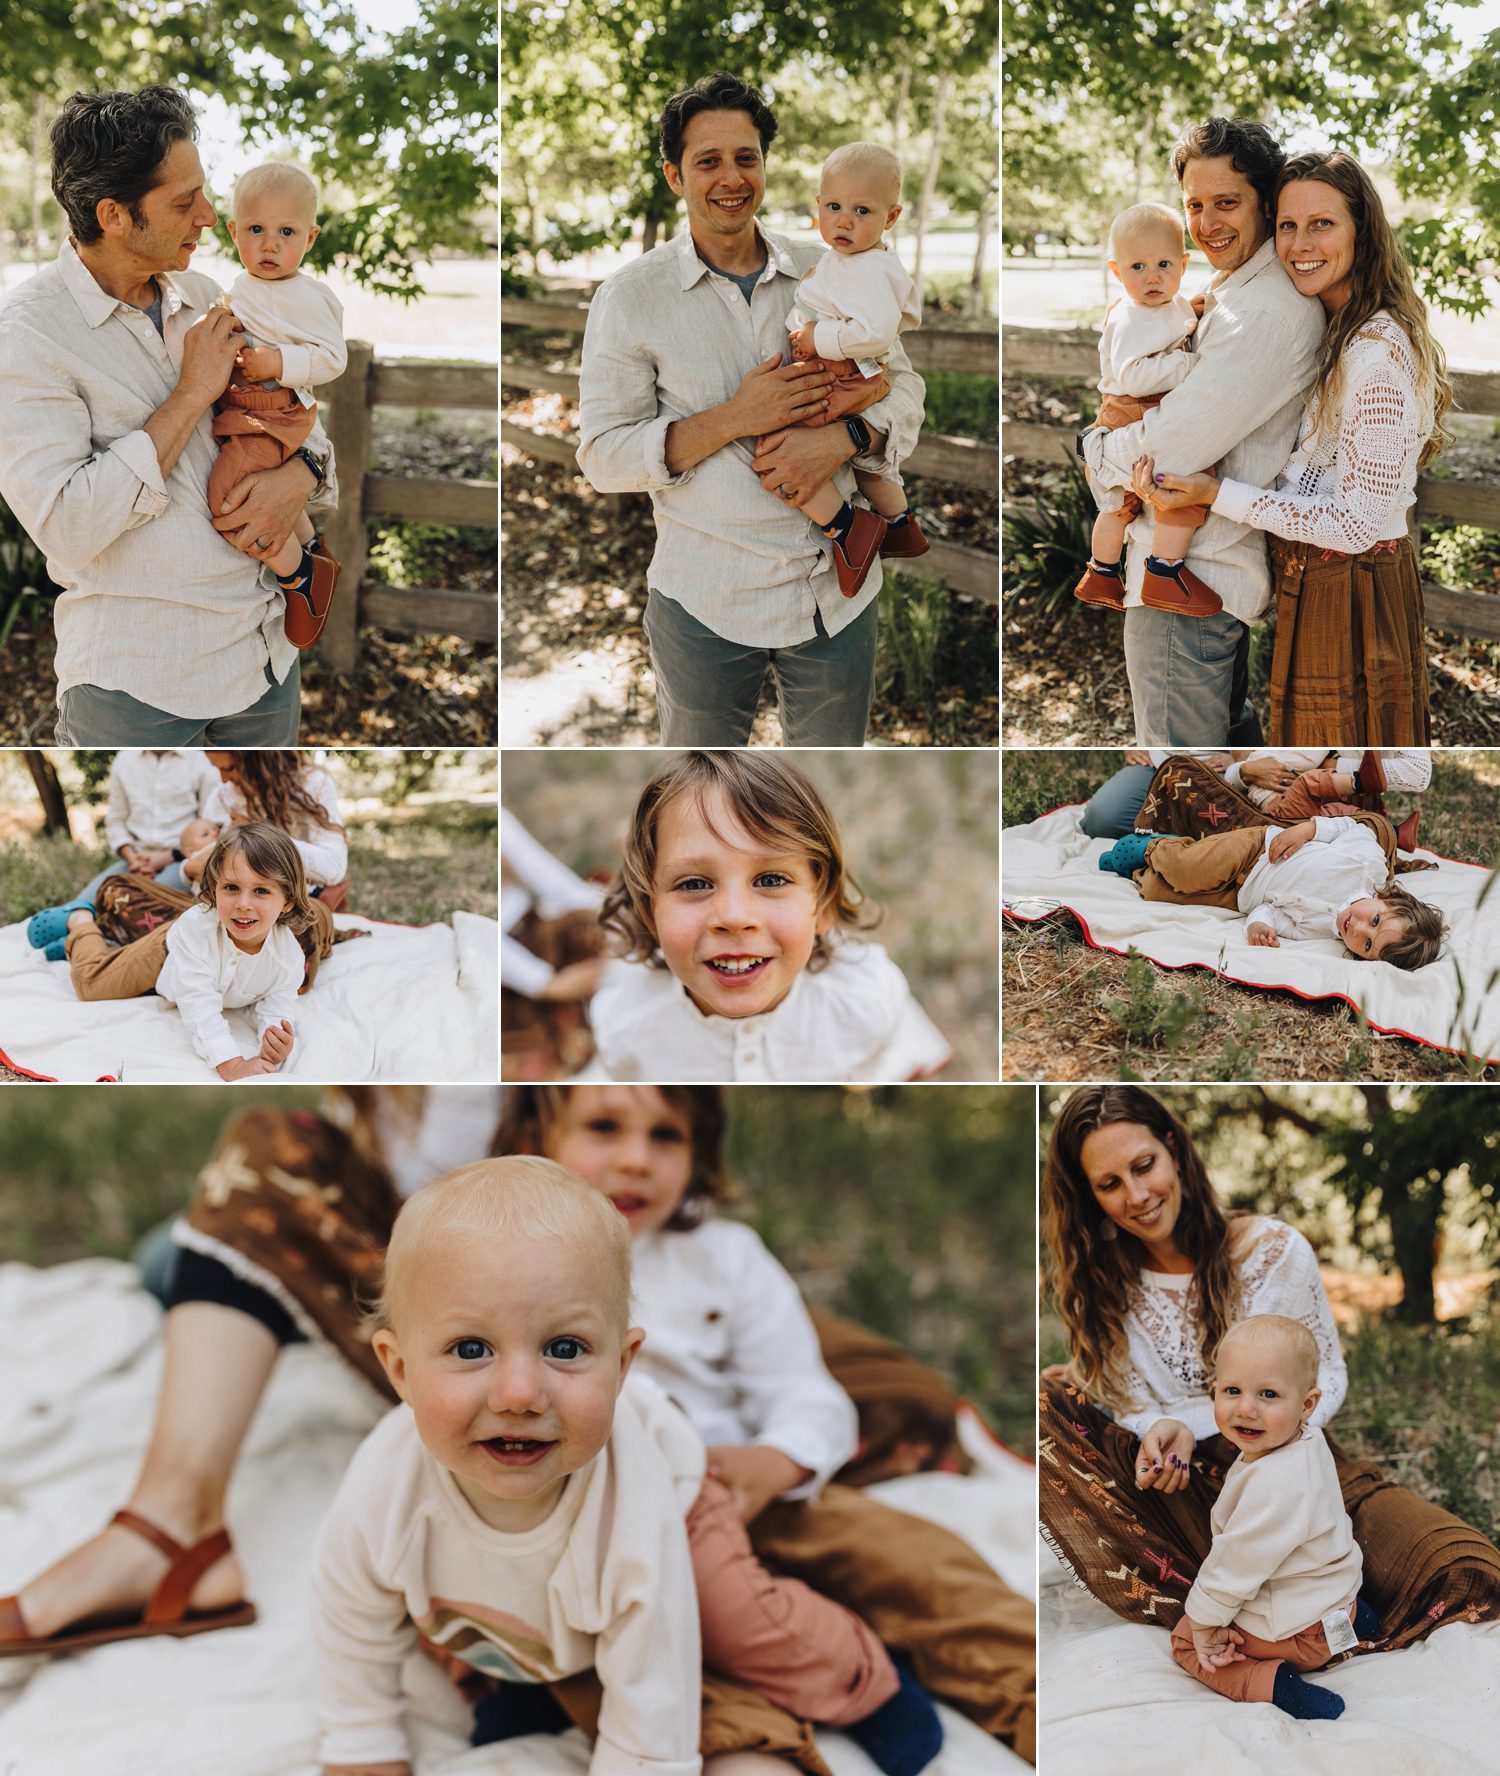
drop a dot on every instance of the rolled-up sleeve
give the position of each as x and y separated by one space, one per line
72 499
899 416
622 433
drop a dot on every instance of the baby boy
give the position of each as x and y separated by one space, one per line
1325 877
1141 357
295 324
853 305
1278 1592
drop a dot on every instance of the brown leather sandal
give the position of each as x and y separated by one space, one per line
167 1611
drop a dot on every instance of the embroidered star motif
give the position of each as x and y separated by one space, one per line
226 1174
1213 814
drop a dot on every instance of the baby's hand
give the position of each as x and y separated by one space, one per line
1197 302
240 1068
755 1473
1292 839
276 1044
1265 936
802 342
1216 1647
261 363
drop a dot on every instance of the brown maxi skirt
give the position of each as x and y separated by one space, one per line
288 1203
1350 663
1139 1552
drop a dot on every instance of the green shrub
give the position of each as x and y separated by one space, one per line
1045 544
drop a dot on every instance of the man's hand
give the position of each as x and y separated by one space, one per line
276 1044
1164 1461
755 1473
794 465
259 511
848 398
240 1068
209 348
142 860
1137 755
1215 1647
1264 937
1292 839
776 394
801 342
1266 773
261 363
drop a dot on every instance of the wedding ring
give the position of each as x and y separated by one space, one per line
262 542
783 489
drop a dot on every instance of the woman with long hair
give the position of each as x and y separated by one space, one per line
1148 1271
286 789
1350 665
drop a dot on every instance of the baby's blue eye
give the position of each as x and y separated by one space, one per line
566 1350
470 1350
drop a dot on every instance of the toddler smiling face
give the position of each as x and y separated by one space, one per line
736 917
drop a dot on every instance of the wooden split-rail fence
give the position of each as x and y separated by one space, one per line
961 460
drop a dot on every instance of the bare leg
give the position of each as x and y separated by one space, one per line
1171 542
886 497
217 1363
1108 539
822 504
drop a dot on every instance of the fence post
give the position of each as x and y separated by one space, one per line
348 427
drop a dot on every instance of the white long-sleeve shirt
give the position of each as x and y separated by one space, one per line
1254 356
302 318
1284 1553
859 304
853 1022
1408 767
156 602
1164 1373
153 793
324 854
1303 895
454 1126
729 1338
1353 486
205 975
606 1581
1138 347
532 877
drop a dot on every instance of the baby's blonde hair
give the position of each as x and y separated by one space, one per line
874 162
1142 220
520 1197
1276 1329
276 175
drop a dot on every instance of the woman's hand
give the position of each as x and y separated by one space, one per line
574 980
1266 773
1290 840
1164 1461
192 867
1057 1372
1168 492
755 1474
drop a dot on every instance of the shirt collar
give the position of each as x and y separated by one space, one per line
692 268
97 305
1260 260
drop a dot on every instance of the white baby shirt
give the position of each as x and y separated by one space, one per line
606 1581
302 318
205 975
859 304
1304 894
1138 347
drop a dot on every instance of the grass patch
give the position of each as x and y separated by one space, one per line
962 405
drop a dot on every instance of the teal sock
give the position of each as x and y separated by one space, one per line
839 526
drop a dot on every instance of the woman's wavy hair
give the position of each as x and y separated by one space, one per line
274 784
270 853
533 1113
1092 1279
1379 279
775 804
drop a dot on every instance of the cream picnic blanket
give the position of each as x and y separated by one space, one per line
79 1364
411 1003
1453 1003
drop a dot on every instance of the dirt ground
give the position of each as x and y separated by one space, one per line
920 834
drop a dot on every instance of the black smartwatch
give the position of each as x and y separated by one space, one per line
859 434
305 455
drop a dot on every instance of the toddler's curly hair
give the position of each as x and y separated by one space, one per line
270 853
775 804
1422 940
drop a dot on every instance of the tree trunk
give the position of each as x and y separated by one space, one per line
1414 1236
929 181
39 147
974 300
898 125
49 792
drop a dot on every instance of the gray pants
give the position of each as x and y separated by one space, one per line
707 689
88 716
1189 679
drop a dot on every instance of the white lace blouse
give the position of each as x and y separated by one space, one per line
1350 487
1165 1372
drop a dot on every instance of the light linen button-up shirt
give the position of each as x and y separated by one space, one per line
668 337
156 603
853 1022
154 793
1253 358
1305 895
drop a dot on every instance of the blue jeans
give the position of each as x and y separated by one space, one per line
1110 811
707 689
88 716
1189 679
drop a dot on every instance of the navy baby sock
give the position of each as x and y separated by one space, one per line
1366 1622
302 578
1155 565
1127 855
903 1735
1293 1695
838 526
896 523
516 1709
1110 569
